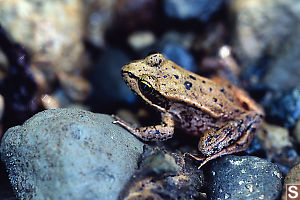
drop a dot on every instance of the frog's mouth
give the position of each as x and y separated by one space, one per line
149 94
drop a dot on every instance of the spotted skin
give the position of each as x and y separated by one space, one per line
221 114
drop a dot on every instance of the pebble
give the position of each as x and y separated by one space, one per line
180 56
108 85
132 15
99 16
69 154
164 175
51 30
284 108
293 177
243 177
278 146
267 36
191 9
296 132
141 39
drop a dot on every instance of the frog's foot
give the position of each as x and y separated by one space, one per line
194 157
123 123
160 132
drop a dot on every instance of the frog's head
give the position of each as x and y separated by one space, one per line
141 77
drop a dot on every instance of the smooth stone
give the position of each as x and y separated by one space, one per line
293 177
191 9
108 86
267 36
244 177
180 56
284 107
69 154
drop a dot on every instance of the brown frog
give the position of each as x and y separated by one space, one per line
221 114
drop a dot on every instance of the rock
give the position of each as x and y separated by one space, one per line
108 85
6 192
296 132
284 107
244 177
180 56
164 175
99 16
140 40
267 34
274 138
293 177
191 9
278 146
51 30
132 15
69 154
284 71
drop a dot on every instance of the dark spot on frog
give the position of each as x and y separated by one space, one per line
192 77
231 99
203 81
176 76
220 104
215 100
236 110
187 85
173 67
165 76
245 105
210 89
201 90
223 91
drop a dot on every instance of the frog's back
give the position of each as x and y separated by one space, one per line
196 91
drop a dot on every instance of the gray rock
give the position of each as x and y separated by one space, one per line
107 81
267 34
180 56
69 154
191 9
245 177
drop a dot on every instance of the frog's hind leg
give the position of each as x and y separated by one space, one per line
240 145
234 137
160 132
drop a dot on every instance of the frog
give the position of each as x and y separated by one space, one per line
222 115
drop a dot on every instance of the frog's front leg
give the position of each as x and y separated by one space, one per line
234 137
160 132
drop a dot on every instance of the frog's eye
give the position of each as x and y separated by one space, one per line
145 87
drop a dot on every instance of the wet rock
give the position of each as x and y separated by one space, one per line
268 31
99 16
51 30
68 154
293 177
108 85
244 177
164 175
76 87
131 15
140 40
296 132
284 71
6 192
284 108
180 56
191 9
278 146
